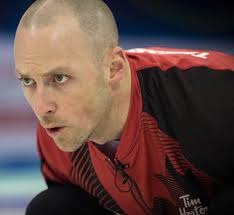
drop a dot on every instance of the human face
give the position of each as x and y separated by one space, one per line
62 83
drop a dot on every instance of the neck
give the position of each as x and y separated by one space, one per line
113 124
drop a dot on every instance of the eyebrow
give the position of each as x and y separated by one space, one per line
56 70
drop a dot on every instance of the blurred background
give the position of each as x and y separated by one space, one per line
196 24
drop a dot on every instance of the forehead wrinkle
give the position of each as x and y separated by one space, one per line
51 72
25 73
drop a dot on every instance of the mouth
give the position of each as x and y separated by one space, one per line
54 131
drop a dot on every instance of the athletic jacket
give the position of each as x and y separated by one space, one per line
176 151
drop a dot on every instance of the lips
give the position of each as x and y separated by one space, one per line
54 131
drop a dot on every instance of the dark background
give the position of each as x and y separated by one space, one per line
200 18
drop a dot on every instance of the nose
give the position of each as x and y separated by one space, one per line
44 104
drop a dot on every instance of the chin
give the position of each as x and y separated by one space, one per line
67 148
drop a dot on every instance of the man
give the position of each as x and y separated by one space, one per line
144 131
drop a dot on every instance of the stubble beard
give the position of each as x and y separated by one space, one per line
71 144
75 141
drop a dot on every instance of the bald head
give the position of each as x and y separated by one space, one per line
95 20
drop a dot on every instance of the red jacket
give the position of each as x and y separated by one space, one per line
176 149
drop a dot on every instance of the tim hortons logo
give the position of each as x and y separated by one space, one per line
192 206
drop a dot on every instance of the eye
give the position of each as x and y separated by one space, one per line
60 78
27 82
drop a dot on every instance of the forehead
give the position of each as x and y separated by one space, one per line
59 40
62 42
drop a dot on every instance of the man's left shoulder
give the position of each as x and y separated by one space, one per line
166 58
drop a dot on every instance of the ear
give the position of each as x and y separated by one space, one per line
118 62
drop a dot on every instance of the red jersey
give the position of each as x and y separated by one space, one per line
176 149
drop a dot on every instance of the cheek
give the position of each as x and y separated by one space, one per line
86 109
85 103
78 107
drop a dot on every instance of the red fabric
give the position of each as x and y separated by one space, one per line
143 146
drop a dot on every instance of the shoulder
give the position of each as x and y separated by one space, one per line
190 93
165 58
